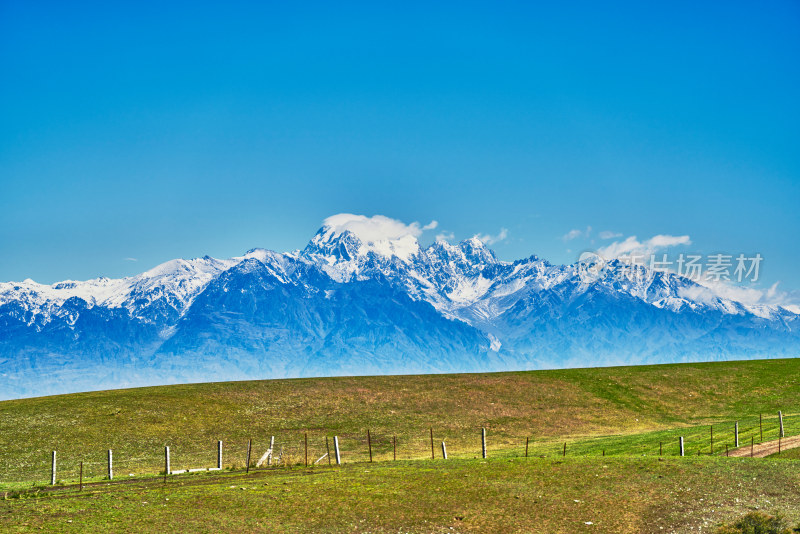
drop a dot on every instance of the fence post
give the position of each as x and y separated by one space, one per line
736 434
564 454
433 454
780 421
80 479
712 440
270 450
661 448
336 449
526 446
726 449
219 454
328 449
110 465
444 451
483 442
249 448
53 470
369 444
779 444
680 440
166 463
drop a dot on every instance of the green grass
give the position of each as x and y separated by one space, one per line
619 494
791 454
622 410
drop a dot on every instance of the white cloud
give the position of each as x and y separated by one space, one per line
706 290
445 236
574 234
633 247
753 296
375 228
130 259
607 234
492 239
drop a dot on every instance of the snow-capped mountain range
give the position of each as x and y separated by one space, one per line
349 304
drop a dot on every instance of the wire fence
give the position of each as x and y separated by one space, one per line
317 448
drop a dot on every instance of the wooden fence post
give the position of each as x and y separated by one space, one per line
483 442
661 448
53 470
336 449
219 454
564 454
110 465
80 479
328 449
444 451
712 440
369 444
433 454
736 434
249 449
780 421
680 441
526 447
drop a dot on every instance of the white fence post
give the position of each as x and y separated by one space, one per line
219 454
336 449
166 460
483 442
780 419
681 442
110 465
53 470
444 451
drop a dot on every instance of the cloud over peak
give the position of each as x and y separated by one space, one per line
492 239
375 228
633 247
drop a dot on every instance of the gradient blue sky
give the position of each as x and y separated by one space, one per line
149 131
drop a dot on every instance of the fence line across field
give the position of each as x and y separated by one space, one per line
290 453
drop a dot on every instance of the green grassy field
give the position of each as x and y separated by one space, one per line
619 494
626 413
622 410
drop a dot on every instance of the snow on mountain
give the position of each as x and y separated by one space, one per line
171 285
365 297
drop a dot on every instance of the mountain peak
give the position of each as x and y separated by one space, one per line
476 250
338 243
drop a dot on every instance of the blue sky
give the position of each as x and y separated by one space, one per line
148 132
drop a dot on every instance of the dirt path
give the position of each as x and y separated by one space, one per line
760 450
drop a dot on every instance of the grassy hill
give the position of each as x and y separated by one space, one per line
621 410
